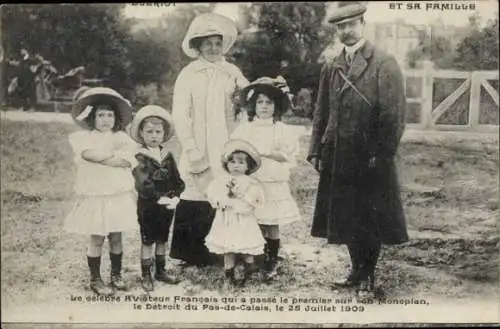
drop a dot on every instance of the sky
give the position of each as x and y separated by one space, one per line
377 11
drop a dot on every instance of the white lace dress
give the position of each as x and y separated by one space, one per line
269 137
235 230
105 196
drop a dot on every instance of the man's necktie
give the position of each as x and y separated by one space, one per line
349 58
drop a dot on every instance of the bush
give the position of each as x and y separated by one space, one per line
153 94
146 94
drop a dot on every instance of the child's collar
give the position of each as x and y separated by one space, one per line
107 133
144 150
268 121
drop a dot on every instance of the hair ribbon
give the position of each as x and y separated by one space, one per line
250 94
285 89
85 113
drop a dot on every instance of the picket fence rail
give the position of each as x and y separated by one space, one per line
473 81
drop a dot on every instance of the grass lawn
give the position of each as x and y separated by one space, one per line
453 252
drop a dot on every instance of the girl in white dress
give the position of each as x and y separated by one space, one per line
266 101
235 196
106 200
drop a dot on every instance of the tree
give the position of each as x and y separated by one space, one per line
434 47
175 27
70 35
479 50
150 54
284 33
157 56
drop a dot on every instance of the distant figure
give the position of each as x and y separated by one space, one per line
45 72
26 85
304 102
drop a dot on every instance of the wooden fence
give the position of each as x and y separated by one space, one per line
473 81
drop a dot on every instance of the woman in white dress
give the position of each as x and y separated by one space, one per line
203 118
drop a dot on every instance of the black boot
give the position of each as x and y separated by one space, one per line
352 278
96 283
116 271
366 287
147 279
274 246
160 272
249 271
230 280
267 252
374 256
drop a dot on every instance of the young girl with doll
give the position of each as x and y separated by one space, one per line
235 196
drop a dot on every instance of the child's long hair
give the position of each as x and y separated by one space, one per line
107 104
280 104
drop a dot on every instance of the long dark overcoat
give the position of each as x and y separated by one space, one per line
357 203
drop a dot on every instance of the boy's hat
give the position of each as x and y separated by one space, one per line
85 99
210 24
347 11
151 111
277 88
236 145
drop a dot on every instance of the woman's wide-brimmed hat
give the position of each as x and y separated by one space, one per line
236 145
147 112
84 104
347 11
206 25
277 88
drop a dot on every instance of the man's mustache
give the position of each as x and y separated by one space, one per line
347 36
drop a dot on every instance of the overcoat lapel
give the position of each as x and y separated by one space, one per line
340 63
359 64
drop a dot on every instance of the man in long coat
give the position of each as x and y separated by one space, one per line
358 123
26 81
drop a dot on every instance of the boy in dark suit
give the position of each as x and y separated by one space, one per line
158 183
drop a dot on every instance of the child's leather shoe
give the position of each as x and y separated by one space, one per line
98 286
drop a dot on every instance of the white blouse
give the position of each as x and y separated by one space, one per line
97 179
203 116
252 193
270 138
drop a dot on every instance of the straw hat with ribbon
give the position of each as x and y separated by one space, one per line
206 25
87 99
238 145
277 88
347 11
147 112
